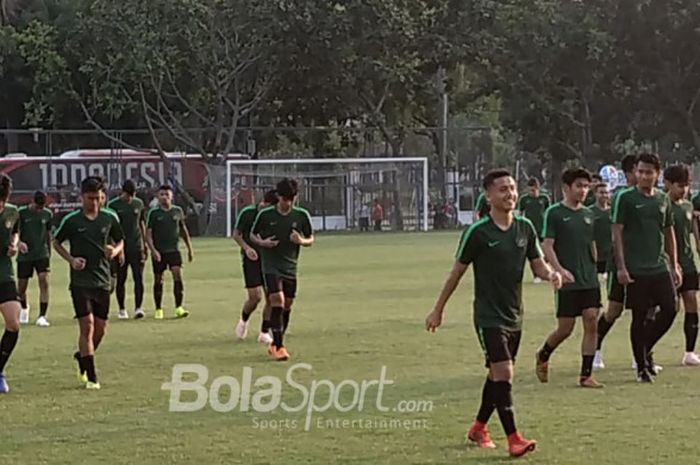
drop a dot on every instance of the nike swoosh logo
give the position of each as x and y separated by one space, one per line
568 218
639 206
494 244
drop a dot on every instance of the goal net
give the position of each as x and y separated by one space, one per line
340 193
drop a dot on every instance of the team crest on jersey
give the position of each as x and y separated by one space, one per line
662 209
8 224
587 220
104 230
294 225
521 242
689 216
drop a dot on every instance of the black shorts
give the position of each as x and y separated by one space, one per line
89 300
690 282
168 260
649 291
616 291
276 283
498 344
133 260
252 273
571 304
25 270
601 267
8 292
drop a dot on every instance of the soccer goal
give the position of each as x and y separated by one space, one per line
339 193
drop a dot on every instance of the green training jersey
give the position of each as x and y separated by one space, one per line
282 259
482 206
590 198
573 234
612 266
644 219
499 259
9 225
533 209
244 224
87 239
35 231
130 216
165 227
602 232
683 227
695 199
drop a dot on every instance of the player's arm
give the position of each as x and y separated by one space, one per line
540 268
256 230
670 245
49 234
185 234
142 228
594 251
12 247
116 234
696 233
619 215
149 236
62 234
238 238
304 237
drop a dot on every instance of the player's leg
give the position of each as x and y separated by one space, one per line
289 287
264 337
688 294
273 284
616 304
478 432
178 292
137 265
82 304
10 309
565 326
639 300
253 297
158 270
25 270
664 294
589 319
122 273
43 270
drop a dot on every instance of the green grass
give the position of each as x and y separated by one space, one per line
361 305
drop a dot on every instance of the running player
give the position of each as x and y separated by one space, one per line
9 298
482 207
34 254
677 181
252 269
602 226
616 292
280 231
95 238
164 226
642 232
498 246
570 248
130 210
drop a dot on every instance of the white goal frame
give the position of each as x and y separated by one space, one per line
328 161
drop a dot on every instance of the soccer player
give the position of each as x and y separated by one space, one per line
498 246
591 197
34 254
570 248
617 293
130 210
602 226
280 231
482 207
677 181
532 207
642 232
252 269
165 225
9 298
95 238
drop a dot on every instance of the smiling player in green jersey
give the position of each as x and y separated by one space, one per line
95 238
602 226
34 255
533 204
498 246
570 248
252 269
280 231
644 244
130 210
165 225
9 298
677 182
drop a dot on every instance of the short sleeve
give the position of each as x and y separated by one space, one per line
549 224
619 214
696 202
243 220
479 202
257 224
15 228
534 251
468 245
115 230
668 213
149 218
306 226
547 201
49 219
64 229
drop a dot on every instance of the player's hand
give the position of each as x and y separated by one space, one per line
624 278
567 276
156 256
145 254
556 279
23 247
110 251
433 321
296 238
190 256
122 258
11 250
270 242
78 263
251 254
677 276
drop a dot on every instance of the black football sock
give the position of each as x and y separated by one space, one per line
23 303
690 328
158 295
89 364
7 345
286 315
43 308
487 406
545 352
659 326
121 289
638 338
178 292
137 274
79 359
586 366
503 399
603 329
277 326
265 326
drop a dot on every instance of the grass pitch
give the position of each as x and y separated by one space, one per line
360 307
